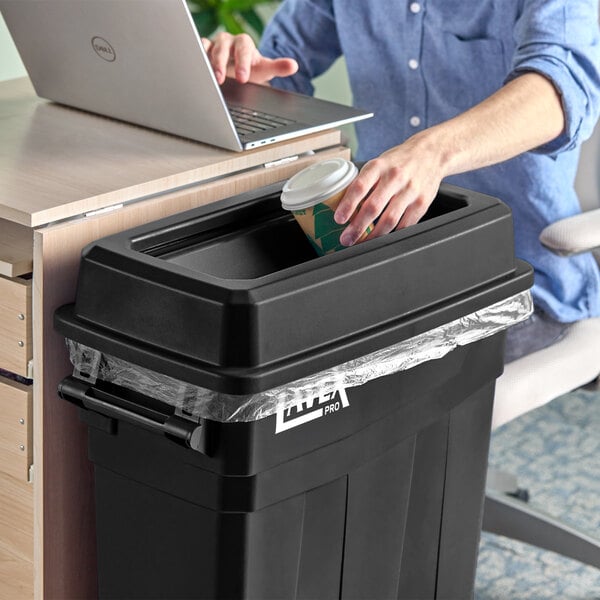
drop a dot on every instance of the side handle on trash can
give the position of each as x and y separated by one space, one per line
84 395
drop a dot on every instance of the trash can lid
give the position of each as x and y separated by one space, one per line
231 296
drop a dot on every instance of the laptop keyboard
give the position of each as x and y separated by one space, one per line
247 120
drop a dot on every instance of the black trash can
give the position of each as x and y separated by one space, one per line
374 491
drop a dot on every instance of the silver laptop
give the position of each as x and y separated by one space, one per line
142 61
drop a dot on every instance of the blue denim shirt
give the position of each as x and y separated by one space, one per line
417 63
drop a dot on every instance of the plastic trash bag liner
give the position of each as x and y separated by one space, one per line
197 402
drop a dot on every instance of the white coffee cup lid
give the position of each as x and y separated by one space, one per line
317 183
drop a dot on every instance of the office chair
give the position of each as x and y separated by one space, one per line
538 378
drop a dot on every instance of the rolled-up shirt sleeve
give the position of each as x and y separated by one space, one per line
560 40
304 30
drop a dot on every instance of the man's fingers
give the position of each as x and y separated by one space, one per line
369 210
266 68
283 67
207 44
357 191
390 217
244 52
237 56
367 198
384 194
413 213
220 54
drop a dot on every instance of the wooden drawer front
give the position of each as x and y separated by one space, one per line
16 249
16 449
16 517
16 577
15 324
16 539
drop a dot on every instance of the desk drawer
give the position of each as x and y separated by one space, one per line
16 450
15 324
16 539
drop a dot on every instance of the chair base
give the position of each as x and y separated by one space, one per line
505 483
513 518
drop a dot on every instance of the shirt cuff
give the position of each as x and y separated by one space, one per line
572 97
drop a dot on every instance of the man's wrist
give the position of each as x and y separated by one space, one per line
442 147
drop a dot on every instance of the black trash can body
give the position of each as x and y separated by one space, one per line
375 491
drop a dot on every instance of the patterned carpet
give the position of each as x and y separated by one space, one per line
555 451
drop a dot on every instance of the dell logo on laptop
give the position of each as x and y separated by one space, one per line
103 49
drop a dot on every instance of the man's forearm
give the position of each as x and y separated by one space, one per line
398 186
524 114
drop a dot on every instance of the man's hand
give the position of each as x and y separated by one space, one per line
397 188
237 56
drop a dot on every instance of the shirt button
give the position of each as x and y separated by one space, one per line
415 7
415 121
413 63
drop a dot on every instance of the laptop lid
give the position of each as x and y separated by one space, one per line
142 61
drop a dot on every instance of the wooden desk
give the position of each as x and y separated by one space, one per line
66 179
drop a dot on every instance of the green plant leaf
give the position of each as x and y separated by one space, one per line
240 5
206 22
230 22
203 5
235 16
253 19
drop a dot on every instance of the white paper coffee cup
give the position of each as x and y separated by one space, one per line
312 195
